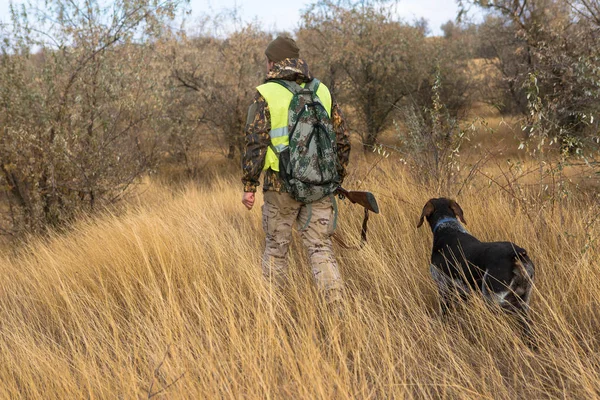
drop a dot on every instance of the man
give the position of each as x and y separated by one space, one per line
316 221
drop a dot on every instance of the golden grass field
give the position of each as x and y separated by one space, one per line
166 300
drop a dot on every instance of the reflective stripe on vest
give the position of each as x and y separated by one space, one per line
278 99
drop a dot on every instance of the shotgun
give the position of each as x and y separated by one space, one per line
365 199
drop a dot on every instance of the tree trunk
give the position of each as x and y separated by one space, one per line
370 141
231 153
372 131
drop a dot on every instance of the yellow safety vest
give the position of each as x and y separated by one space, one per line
278 99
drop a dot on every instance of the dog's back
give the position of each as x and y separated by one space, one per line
508 276
502 271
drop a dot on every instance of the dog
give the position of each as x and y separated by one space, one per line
461 264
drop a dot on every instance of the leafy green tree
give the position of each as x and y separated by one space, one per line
77 105
222 75
371 60
554 43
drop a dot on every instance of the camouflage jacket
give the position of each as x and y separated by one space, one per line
258 125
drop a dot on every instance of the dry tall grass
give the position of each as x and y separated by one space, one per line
168 302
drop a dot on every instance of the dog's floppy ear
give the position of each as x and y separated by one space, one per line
458 212
427 211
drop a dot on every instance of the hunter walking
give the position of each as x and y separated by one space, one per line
295 132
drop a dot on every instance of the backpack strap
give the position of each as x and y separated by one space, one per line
309 208
310 88
293 87
289 85
313 85
363 235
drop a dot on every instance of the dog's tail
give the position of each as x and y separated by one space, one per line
523 272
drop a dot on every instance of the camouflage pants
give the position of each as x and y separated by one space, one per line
316 225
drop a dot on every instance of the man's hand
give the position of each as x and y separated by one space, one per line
248 200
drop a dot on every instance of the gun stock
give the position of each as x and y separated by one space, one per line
365 199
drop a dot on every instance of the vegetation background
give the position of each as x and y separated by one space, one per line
130 269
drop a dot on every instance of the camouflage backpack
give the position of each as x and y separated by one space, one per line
308 167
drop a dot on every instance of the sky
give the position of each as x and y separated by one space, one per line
283 15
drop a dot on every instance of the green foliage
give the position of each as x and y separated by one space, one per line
77 112
218 78
94 94
378 64
370 60
431 140
555 41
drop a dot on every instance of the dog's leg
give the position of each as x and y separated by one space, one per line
525 325
446 304
524 271
443 289
450 290
518 306
513 299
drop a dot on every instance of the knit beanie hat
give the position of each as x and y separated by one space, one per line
281 48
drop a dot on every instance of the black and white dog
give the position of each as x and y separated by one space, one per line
460 263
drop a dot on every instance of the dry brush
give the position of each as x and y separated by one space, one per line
168 301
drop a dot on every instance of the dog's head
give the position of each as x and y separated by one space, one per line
436 209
